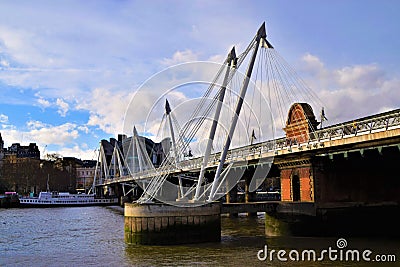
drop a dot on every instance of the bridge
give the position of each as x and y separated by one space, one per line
331 140
328 176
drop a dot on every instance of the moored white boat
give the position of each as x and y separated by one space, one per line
65 199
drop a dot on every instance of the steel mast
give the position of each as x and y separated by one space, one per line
231 62
261 34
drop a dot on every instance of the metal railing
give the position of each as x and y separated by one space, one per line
376 123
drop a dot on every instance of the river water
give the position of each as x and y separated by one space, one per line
93 236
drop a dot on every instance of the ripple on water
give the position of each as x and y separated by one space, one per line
93 236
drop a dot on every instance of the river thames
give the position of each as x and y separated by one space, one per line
93 236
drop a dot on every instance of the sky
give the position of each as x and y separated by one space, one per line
68 69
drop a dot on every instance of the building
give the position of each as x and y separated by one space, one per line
30 151
85 175
20 168
1 152
155 151
1 144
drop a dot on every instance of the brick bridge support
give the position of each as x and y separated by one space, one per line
350 190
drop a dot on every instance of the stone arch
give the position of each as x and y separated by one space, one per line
300 123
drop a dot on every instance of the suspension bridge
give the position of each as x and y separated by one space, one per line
326 174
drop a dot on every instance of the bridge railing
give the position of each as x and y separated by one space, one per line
381 122
376 123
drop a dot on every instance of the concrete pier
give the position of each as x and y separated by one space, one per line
162 224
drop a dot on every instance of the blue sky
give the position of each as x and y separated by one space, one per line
69 68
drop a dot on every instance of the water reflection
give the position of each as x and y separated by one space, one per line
242 238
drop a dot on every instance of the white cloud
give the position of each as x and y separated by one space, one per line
4 63
3 118
107 109
43 102
49 134
179 84
180 57
79 151
351 91
217 58
313 63
62 107
83 128
32 124
363 76
25 47
62 139
43 134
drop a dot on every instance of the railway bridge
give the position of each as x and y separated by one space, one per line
341 178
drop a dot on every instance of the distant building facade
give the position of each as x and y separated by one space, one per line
30 151
1 150
85 175
20 167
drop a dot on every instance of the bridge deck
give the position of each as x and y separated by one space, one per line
376 130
